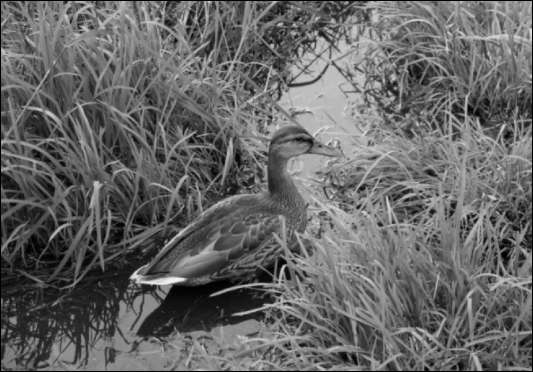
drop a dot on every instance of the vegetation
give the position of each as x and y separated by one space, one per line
121 119
431 272
426 263
471 58
424 257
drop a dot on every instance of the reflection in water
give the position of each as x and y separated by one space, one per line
188 309
37 322
97 322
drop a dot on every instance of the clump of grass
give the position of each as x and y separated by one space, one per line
104 132
382 298
435 59
431 273
412 176
102 136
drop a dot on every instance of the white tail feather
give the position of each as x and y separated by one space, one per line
161 281
141 279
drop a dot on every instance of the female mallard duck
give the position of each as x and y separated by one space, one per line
234 237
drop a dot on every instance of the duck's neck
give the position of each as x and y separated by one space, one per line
280 185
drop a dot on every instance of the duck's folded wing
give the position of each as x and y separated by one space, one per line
203 252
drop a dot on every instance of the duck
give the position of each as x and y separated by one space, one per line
234 239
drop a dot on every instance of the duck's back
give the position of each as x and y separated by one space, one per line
232 238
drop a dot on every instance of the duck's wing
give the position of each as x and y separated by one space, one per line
205 248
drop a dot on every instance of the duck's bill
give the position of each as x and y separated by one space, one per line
321 149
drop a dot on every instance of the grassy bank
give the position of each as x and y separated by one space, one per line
103 136
118 123
120 120
431 270
426 263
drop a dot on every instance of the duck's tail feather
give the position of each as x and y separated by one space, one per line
164 279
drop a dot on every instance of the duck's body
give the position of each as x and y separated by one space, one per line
235 237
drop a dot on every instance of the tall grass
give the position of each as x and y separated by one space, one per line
412 176
432 271
104 133
440 58
121 119
427 261
114 120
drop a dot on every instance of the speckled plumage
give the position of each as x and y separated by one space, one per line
234 238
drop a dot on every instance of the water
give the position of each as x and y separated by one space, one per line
324 109
111 324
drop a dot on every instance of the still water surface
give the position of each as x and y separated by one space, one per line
111 324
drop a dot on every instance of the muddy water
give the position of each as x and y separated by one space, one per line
111 324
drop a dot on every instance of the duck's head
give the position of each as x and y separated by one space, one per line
293 140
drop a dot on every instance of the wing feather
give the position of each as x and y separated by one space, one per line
210 244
